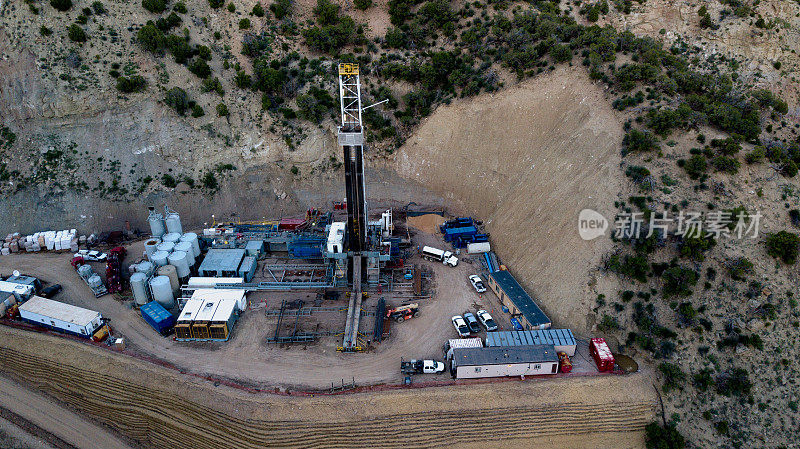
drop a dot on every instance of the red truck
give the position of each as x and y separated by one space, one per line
601 354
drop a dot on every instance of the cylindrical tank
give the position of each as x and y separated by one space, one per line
181 263
146 267
94 281
187 248
139 288
173 221
159 258
191 237
173 237
84 271
150 247
166 246
162 291
157 228
172 273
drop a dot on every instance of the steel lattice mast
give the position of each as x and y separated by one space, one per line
351 139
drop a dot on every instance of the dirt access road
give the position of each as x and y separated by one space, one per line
45 423
247 358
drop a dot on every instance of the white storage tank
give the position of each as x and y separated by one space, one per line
187 248
85 271
191 237
94 281
162 291
172 237
139 288
156 220
172 273
166 246
173 221
145 267
181 263
160 258
150 247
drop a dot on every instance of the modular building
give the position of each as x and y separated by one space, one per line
254 248
513 361
158 317
61 317
210 315
513 296
183 325
561 339
221 262
248 268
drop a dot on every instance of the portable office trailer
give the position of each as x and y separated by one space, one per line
61 317
562 339
513 296
470 363
26 280
248 268
224 318
183 326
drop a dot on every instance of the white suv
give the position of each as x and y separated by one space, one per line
477 282
460 325
487 320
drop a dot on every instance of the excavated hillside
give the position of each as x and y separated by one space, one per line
528 160
162 408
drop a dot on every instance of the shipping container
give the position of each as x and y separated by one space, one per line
601 354
478 247
158 317
60 316
248 268
450 234
183 325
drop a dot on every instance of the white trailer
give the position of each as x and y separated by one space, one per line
20 291
478 248
438 255
454 343
60 316
515 361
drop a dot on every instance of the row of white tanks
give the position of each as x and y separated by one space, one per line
169 262
170 223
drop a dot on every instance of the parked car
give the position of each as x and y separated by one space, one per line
477 283
472 322
460 325
50 291
487 320
516 325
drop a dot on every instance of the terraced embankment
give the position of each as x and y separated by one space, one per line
163 408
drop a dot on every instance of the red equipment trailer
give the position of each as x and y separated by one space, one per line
601 354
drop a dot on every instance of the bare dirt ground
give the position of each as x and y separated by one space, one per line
64 427
527 160
160 407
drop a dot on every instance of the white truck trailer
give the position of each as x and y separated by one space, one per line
438 255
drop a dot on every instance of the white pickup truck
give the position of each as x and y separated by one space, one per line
421 367
445 257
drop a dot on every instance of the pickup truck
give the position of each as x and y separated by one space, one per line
421 367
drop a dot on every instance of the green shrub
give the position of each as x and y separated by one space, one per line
213 85
200 68
295 171
76 33
197 111
637 173
169 181
657 437
696 166
203 52
678 281
61 5
608 324
362 4
694 247
315 105
180 49
177 99
735 383
258 10
673 375
44 31
155 6
151 38
634 267
639 141
739 268
755 156
783 245
560 53
244 24
98 7
135 83
216 4
180 8
281 8
222 110
209 181
231 7
242 79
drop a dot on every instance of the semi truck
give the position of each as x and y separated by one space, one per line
421 367
438 255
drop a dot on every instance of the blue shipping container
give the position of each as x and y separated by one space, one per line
158 317
451 234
